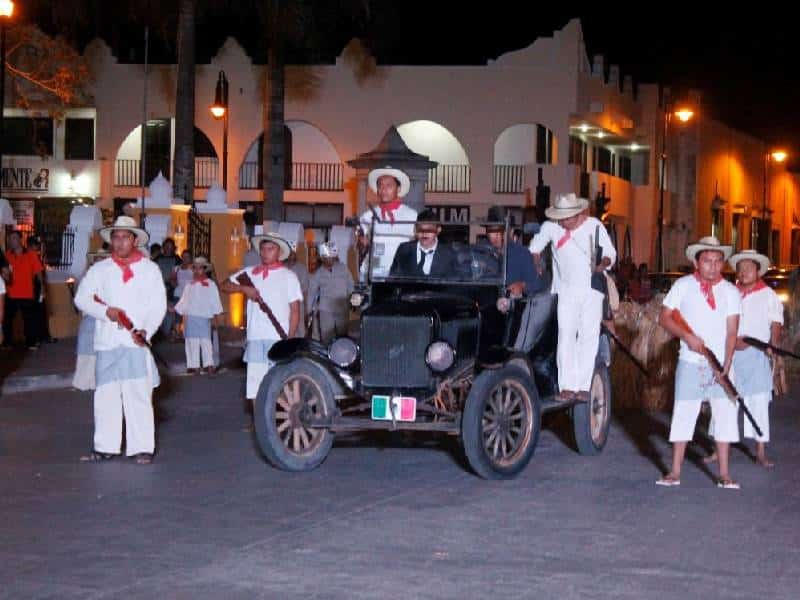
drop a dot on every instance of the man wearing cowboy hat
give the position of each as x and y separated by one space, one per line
329 291
574 236
125 287
711 307
199 304
762 319
390 185
522 277
279 288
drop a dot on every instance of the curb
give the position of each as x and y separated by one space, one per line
21 384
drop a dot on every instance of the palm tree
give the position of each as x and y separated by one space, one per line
183 170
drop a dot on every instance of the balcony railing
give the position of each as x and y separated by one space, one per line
126 172
449 179
509 179
320 177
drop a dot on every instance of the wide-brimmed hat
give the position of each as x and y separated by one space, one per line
496 218
707 243
565 206
201 261
275 239
761 260
328 250
402 178
125 223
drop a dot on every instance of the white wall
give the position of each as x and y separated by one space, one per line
433 140
131 148
309 145
516 145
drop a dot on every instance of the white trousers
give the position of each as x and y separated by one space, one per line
579 314
197 347
724 426
758 405
83 379
255 373
133 399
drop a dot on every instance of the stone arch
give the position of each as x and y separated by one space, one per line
518 146
453 173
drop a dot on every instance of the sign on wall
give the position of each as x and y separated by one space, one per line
455 214
25 179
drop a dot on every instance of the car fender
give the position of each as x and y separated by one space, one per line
290 349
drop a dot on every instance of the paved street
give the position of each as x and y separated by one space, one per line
379 519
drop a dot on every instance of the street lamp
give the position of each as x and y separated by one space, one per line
766 225
684 115
219 110
6 12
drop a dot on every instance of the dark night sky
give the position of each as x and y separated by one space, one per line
744 64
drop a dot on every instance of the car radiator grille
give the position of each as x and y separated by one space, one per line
393 351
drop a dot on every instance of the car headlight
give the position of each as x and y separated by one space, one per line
356 299
440 356
343 351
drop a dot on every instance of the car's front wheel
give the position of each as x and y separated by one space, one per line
289 395
501 422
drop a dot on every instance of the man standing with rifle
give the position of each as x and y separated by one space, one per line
702 310
761 321
273 304
125 295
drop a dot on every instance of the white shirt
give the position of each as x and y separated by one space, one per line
387 237
278 290
429 252
200 300
184 277
759 311
574 261
143 299
709 325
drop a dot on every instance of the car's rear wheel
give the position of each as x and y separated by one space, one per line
591 420
289 395
501 422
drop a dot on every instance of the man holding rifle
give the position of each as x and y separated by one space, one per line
125 295
702 309
762 319
273 304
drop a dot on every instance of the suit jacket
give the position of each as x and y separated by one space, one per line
405 261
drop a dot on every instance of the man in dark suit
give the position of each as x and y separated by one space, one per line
424 257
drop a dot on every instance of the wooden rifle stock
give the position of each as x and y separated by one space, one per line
244 280
724 380
756 343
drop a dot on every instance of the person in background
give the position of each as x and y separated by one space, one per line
167 261
35 245
329 291
155 251
182 275
25 268
304 278
200 305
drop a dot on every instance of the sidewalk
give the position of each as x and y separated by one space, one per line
51 366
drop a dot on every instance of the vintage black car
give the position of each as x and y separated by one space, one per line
454 355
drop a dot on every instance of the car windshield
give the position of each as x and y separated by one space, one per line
396 255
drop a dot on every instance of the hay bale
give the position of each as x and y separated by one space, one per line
637 326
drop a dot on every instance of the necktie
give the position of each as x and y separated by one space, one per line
423 254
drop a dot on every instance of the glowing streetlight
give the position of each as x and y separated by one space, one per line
684 114
779 155
6 11
219 110
6 8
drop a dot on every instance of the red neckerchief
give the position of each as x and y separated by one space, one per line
707 288
388 208
125 264
264 270
202 281
564 239
760 285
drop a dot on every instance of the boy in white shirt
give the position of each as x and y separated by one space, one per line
710 306
199 305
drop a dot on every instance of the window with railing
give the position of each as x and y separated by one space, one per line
205 171
321 177
577 152
26 136
449 179
313 216
509 179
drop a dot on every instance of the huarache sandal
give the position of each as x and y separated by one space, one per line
728 484
95 456
669 481
143 458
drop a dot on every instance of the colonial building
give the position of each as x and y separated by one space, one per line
544 110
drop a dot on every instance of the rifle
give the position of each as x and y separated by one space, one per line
244 280
625 350
124 320
765 346
724 380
